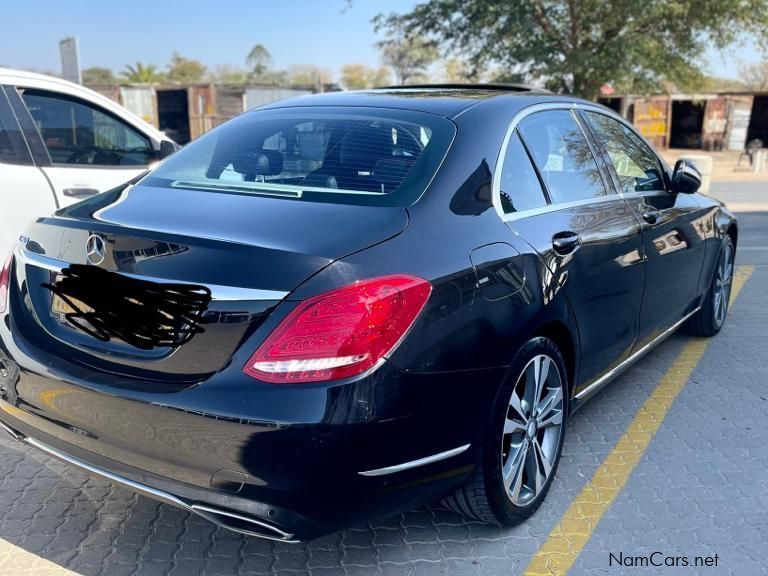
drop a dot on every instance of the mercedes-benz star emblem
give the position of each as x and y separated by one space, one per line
95 249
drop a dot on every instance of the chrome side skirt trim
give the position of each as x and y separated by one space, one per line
135 486
217 516
600 382
218 293
416 463
10 431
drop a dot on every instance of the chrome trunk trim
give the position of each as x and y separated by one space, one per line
218 293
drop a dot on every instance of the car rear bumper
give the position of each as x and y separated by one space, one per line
355 451
252 522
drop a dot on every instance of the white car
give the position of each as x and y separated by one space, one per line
61 143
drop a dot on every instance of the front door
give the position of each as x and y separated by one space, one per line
90 149
673 234
585 233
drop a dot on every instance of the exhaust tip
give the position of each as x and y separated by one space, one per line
242 524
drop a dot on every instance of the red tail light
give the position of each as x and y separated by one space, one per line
5 282
340 333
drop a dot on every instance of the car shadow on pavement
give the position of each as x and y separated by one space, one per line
90 527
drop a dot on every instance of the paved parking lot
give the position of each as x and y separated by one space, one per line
672 459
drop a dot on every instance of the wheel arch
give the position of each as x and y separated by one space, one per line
565 341
733 232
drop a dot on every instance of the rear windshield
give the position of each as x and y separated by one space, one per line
346 155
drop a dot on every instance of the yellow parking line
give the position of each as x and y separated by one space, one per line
15 561
567 539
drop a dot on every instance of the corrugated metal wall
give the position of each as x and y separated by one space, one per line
715 122
141 100
739 112
256 96
651 116
110 91
230 101
202 109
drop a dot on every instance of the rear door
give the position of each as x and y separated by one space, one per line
88 149
672 225
555 195
24 191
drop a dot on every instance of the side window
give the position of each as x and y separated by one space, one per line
520 187
637 166
13 149
563 156
75 132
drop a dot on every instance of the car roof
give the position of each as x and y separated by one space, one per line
13 76
26 75
448 100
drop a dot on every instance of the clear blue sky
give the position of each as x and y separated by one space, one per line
113 34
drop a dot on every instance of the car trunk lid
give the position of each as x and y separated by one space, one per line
161 283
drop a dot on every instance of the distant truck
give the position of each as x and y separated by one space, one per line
61 143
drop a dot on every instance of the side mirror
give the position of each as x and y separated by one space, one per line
686 178
167 148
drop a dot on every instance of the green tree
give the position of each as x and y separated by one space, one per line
381 77
185 70
359 76
259 60
507 76
276 77
226 74
142 74
755 76
96 75
576 46
718 84
408 55
309 75
456 71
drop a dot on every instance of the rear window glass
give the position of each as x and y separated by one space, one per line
354 155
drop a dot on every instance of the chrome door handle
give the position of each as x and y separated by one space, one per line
80 192
566 242
651 215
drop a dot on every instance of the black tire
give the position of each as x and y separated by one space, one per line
710 318
484 497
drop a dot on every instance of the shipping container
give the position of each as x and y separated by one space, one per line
173 112
650 116
141 100
715 123
202 109
259 95
758 122
230 102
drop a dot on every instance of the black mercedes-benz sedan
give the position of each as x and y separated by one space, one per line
341 307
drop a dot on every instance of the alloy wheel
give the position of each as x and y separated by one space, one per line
532 430
722 288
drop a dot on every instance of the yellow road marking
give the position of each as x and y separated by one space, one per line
15 561
567 539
